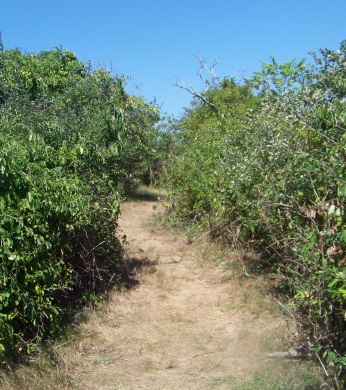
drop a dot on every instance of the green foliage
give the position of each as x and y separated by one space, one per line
140 148
196 172
283 375
274 177
66 136
306 220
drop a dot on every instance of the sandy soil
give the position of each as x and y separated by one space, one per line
177 326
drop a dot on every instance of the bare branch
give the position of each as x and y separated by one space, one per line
215 80
193 92
210 83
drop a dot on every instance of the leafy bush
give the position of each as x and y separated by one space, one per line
274 177
64 159
304 216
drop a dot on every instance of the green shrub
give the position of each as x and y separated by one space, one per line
64 159
275 177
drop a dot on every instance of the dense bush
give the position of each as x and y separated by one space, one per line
66 136
274 176
141 146
196 170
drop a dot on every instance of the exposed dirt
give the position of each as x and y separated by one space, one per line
180 325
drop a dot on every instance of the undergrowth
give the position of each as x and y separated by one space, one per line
280 376
70 138
262 165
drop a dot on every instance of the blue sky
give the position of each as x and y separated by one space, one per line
154 41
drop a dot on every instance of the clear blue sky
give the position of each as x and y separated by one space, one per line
153 41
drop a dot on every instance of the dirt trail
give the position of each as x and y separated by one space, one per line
176 327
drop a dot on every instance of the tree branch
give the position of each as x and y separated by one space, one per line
193 92
214 82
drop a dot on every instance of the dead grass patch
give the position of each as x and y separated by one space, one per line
188 318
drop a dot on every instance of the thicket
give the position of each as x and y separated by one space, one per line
71 141
263 163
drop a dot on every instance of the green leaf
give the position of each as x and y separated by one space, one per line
333 282
343 291
314 238
331 210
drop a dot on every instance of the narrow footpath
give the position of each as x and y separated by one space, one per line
180 324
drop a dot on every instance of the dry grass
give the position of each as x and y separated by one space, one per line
186 322
49 374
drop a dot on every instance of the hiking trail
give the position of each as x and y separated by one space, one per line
179 325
